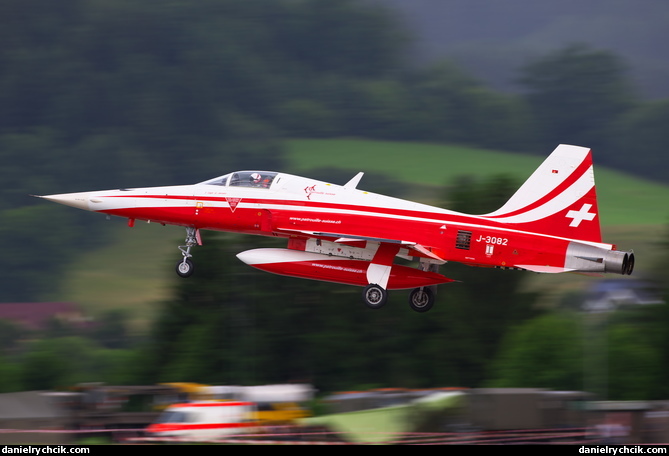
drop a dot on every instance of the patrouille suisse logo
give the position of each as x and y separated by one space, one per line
312 191
233 202
309 191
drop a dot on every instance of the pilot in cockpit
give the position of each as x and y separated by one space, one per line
258 181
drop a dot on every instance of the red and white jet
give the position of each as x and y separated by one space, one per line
337 233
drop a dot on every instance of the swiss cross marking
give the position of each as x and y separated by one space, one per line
580 215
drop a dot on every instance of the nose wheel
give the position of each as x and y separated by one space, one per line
185 267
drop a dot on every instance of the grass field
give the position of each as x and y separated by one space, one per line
134 272
137 271
623 199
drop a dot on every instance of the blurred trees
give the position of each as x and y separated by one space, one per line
61 355
642 130
576 94
619 355
614 356
61 362
545 352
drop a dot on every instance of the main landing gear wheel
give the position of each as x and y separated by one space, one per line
421 299
374 296
185 267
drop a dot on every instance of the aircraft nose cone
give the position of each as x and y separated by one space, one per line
78 200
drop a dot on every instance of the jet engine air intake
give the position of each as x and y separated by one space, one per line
588 258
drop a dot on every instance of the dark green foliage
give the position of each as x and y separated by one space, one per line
576 94
641 133
471 196
619 355
62 362
615 356
545 352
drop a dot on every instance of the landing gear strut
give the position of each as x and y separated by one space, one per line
185 267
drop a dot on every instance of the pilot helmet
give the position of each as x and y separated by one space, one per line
255 178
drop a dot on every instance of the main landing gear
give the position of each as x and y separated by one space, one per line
420 299
185 267
374 296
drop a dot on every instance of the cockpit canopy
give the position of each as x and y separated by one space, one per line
257 179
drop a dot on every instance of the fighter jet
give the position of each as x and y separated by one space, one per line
342 234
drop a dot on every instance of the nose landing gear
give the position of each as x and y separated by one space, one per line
185 267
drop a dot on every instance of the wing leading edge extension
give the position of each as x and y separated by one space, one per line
351 238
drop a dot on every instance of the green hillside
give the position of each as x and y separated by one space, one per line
134 272
138 269
623 199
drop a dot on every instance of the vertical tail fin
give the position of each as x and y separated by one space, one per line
558 199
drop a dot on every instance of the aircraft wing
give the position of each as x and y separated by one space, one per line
350 238
543 269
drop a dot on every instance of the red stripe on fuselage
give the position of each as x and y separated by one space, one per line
372 211
517 248
361 220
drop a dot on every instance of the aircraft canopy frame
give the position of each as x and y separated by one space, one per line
254 179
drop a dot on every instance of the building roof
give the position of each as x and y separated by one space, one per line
35 315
